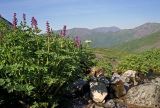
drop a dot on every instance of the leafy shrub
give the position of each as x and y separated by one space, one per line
4 28
37 68
106 65
149 60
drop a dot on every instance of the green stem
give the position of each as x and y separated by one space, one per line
37 48
48 45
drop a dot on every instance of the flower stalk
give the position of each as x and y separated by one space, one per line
48 39
14 21
34 24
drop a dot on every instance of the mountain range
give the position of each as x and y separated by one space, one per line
143 37
104 37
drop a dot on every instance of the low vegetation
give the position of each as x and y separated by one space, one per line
122 61
143 62
36 70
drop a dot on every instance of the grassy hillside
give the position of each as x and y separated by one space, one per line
110 55
142 44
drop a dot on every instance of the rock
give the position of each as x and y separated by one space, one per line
104 80
98 91
110 104
80 88
78 85
97 106
98 87
129 77
122 105
94 105
119 89
118 86
115 78
145 95
116 103
79 103
156 81
129 73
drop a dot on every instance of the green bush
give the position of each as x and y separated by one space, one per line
37 68
143 62
106 65
4 28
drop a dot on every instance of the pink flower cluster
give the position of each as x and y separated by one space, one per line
34 23
48 28
14 21
24 19
63 32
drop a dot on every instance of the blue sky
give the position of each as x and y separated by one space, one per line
84 13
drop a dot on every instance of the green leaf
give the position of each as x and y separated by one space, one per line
2 82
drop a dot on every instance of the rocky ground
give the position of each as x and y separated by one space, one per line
116 92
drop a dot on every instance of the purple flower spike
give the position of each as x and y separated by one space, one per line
77 41
64 30
24 19
15 21
48 28
34 23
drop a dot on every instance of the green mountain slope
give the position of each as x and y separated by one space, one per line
5 25
105 37
110 55
144 43
102 39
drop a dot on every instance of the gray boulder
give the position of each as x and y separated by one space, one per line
156 81
129 77
118 86
119 89
98 91
145 95
78 85
115 78
98 88
79 88
110 104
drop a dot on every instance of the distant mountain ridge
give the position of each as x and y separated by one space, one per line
141 44
106 29
104 37
85 31
146 29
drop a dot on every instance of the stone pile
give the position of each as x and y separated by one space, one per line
119 91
